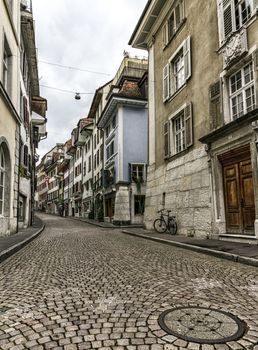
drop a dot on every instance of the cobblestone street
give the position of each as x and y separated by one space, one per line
81 287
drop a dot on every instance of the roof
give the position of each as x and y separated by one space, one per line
130 89
143 29
84 122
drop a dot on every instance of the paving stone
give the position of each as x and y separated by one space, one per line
81 287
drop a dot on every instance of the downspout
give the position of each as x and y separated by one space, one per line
92 172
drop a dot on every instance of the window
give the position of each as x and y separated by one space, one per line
139 205
174 21
242 91
6 73
107 130
25 155
2 180
178 70
89 164
95 161
110 150
98 157
95 141
233 14
137 172
178 132
114 122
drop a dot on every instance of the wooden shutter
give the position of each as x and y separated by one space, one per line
228 17
166 140
188 125
129 172
25 113
216 115
255 59
165 34
166 82
187 57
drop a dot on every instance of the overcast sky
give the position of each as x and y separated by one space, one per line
90 35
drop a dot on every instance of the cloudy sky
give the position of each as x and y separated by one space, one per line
89 35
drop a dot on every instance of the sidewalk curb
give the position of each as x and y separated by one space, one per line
102 225
15 248
216 253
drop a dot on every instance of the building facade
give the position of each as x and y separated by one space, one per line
202 113
20 132
124 121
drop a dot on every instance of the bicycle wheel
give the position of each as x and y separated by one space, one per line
160 225
172 227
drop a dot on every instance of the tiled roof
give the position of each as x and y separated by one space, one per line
84 122
130 89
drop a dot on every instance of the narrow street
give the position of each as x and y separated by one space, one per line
82 287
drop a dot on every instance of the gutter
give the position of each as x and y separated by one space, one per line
139 21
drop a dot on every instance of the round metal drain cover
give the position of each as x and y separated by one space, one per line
202 325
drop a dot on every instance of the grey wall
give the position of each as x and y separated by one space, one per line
135 137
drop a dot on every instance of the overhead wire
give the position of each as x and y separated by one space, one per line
73 68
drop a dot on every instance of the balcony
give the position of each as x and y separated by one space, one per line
26 5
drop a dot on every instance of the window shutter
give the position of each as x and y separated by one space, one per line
166 140
129 172
255 59
216 116
26 113
187 57
165 34
228 15
188 125
166 82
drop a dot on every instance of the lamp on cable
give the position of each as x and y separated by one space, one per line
77 96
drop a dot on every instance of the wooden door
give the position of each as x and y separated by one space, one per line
239 197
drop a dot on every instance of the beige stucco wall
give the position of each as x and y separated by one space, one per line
185 179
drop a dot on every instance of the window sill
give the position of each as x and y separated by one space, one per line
170 98
177 155
176 33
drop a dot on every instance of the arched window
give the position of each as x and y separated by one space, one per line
2 180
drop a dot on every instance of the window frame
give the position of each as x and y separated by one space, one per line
170 148
242 90
168 31
170 87
227 12
137 176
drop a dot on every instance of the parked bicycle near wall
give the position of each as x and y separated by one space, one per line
165 222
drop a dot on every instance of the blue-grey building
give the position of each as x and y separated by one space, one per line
124 121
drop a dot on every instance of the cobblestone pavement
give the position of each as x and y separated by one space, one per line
82 287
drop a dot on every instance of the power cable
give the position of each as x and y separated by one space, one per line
67 91
73 68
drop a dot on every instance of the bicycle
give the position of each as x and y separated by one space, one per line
162 224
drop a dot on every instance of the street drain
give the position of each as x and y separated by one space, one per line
202 325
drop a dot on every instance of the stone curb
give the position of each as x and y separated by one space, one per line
15 248
102 225
216 253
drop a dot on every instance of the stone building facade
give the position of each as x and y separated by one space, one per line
191 101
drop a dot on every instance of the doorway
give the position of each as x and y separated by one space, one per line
238 191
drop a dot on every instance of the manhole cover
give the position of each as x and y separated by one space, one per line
202 325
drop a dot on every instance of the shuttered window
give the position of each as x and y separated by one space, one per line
178 71
215 105
233 14
178 132
174 20
166 90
